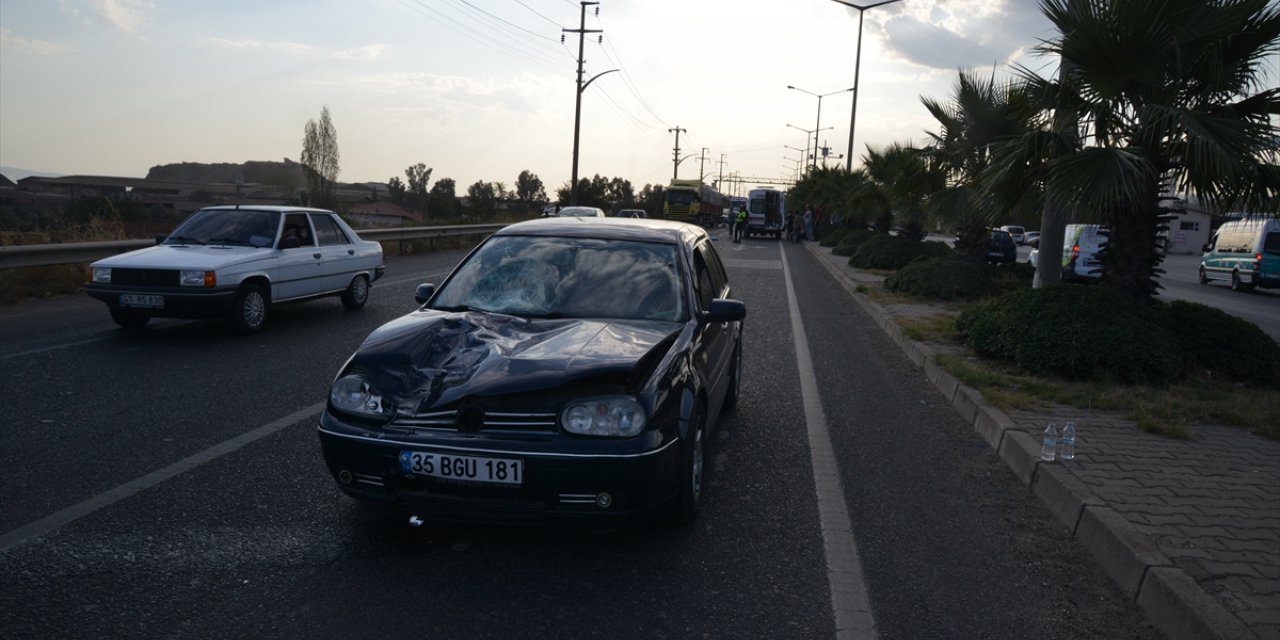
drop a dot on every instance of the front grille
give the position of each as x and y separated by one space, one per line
493 421
145 277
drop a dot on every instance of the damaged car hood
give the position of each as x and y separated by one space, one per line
432 358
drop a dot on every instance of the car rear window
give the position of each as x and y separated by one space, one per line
1271 244
540 277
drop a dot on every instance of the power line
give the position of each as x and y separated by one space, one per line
535 11
616 59
509 34
535 34
498 45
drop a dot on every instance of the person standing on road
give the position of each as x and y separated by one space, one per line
741 225
808 222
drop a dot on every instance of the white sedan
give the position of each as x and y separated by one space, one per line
235 262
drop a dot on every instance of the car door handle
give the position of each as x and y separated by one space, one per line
351 252
316 256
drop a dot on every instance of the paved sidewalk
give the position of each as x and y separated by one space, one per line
1189 529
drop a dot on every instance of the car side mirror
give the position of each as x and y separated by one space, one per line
424 292
160 239
1205 248
290 242
724 310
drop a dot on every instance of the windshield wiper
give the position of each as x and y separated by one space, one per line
181 240
227 241
460 307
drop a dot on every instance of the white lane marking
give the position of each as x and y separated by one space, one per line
76 511
77 343
849 601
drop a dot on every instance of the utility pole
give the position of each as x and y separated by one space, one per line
577 108
702 163
675 157
720 182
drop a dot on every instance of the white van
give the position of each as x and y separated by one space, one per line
1080 246
1245 253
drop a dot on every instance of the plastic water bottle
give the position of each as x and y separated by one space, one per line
1067 446
1049 443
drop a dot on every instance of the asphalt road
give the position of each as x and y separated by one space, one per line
168 484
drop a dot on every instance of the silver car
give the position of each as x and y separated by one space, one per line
236 262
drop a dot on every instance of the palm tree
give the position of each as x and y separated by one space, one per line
835 192
899 183
979 115
1168 98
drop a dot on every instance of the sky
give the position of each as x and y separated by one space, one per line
484 89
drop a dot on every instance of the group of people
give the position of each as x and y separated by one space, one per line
795 227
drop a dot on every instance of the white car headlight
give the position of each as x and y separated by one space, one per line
353 394
617 416
197 278
102 274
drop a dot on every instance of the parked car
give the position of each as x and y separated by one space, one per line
527 390
579 212
1081 244
1246 253
237 262
632 213
1016 231
1001 248
1031 238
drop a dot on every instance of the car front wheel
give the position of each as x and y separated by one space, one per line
690 469
1236 284
249 313
1204 278
357 293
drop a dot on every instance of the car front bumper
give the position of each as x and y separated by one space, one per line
591 484
186 303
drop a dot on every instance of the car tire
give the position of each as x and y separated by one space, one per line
357 293
1236 284
249 312
1204 278
735 377
691 468
130 319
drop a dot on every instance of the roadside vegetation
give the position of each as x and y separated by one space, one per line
1154 99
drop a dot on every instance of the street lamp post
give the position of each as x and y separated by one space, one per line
817 125
810 132
582 86
857 66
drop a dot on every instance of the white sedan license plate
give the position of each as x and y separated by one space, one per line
140 300
445 466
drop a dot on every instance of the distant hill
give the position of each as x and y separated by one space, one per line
283 174
16 174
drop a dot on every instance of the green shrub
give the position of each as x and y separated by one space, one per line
946 278
888 252
1075 331
1011 277
1215 341
832 238
850 242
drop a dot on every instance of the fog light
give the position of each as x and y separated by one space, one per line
603 500
344 476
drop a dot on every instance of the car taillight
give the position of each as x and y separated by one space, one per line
1075 251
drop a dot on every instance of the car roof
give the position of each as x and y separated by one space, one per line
637 229
263 207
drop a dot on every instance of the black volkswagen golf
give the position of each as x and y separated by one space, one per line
568 370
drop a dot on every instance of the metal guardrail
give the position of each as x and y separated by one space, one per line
36 255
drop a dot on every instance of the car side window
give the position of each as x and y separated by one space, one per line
327 231
702 281
296 226
715 270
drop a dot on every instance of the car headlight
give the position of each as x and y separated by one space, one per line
616 416
353 394
102 274
198 278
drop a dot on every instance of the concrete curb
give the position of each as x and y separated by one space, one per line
1171 598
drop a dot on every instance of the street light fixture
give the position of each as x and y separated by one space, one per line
810 132
857 67
818 123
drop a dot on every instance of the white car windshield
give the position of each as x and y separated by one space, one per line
548 277
227 226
